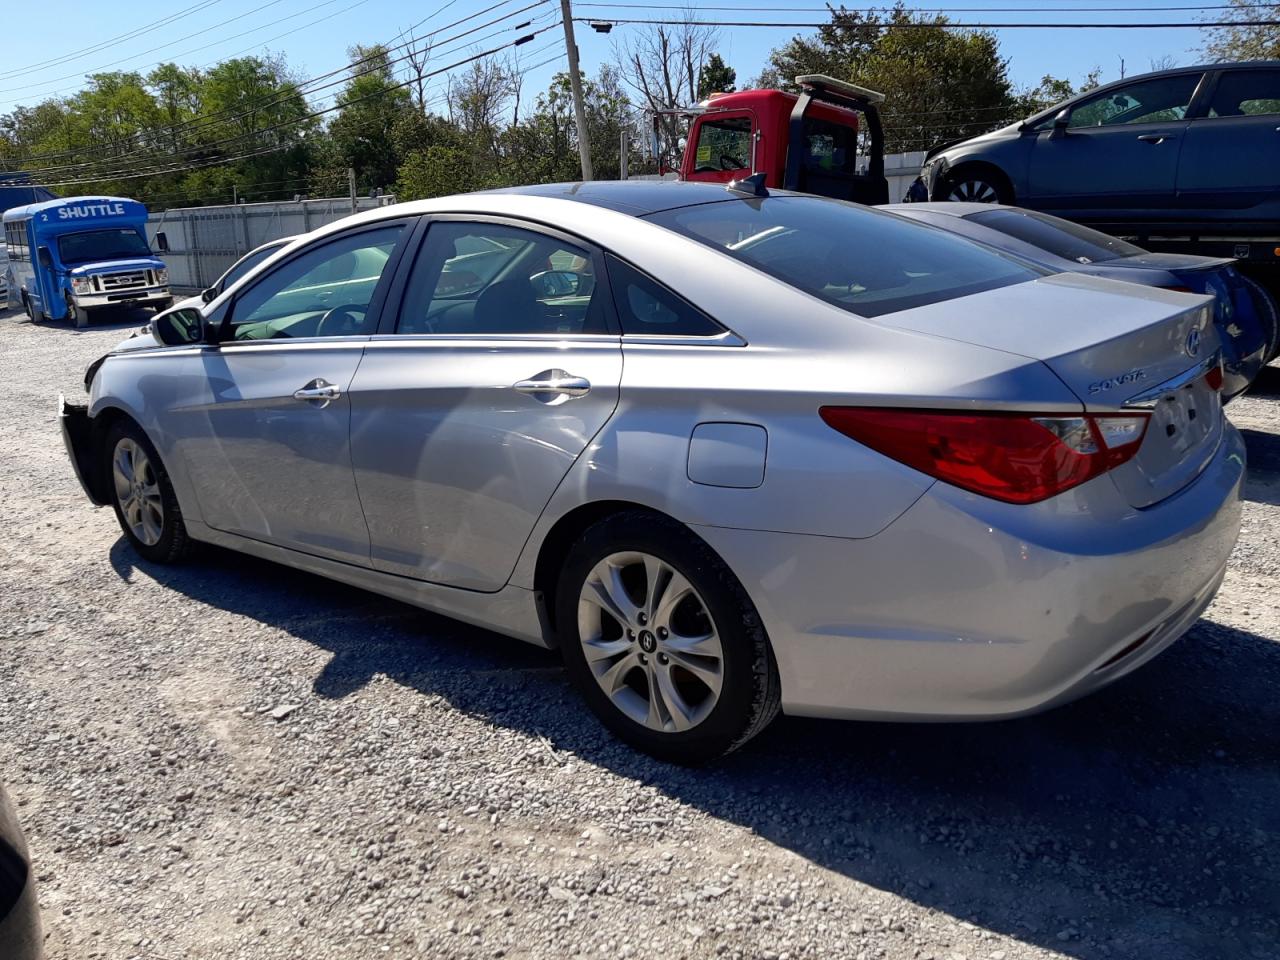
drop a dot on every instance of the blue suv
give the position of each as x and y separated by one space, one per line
1175 150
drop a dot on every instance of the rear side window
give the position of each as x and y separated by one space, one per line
1246 93
832 147
866 262
647 307
1057 236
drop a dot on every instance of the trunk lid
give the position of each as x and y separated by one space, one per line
1180 262
1117 346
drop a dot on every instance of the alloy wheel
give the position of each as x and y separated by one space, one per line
138 491
650 642
973 191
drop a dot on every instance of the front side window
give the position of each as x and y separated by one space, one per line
492 279
102 245
1159 100
723 144
866 262
325 292
1246 93
1059 237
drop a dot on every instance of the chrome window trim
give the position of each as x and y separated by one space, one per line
419 339
725 339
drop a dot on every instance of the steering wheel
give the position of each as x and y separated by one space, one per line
731 163
344 321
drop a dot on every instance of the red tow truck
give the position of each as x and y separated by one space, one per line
828 139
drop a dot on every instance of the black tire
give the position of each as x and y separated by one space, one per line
749 696
173 544
976 185
78 317
1268 315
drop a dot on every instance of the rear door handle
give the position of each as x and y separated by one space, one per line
1156 137
319 392
554 384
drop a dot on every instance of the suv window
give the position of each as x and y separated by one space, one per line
647 307
723 144
1159 100
487 278
1060 237
1246 93
866 262
325 292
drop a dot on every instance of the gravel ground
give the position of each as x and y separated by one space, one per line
232 759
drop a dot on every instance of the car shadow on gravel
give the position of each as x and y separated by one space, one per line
1262 484
1140 821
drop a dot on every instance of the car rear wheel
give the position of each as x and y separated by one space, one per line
662 640
143 497
977 187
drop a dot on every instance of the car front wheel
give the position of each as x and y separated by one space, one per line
662 640
143 497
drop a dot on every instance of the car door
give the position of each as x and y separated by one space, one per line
266 429
1118 155
1231 158
475 400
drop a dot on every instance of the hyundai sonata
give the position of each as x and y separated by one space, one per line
730 453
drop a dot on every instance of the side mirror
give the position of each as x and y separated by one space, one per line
45 257
178 328
556 283
208 294
1060 123
162 242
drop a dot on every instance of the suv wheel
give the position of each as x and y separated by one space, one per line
662 640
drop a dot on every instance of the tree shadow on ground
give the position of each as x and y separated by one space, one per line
1143 818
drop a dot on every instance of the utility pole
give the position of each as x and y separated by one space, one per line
351 185
623 144
235 194
575 84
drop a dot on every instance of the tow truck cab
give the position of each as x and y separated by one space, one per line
827 139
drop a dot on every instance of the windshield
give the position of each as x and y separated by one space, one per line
247 263
102 245
866 262
1057 236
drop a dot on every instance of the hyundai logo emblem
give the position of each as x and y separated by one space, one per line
1193 342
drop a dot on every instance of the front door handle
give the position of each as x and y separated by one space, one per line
553 385
1156 138
319 392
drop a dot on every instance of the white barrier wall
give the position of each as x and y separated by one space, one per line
204 241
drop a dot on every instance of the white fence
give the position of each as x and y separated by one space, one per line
204 241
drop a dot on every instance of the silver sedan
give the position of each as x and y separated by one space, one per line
731 454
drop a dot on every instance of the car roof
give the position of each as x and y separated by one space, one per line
951 208
634 197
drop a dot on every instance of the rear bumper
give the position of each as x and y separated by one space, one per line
77 437
969 609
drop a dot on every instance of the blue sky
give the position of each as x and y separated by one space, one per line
319 31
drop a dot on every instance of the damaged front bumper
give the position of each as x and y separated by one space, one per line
77 436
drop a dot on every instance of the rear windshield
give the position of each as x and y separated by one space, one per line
869 263
1060 237
102 245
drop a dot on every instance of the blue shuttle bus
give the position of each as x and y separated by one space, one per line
78 254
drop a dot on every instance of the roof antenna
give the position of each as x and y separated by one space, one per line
752 186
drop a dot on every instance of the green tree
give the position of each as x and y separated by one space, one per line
1240 42
940 84
1053 90
716 77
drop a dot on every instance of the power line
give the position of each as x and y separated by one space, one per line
186 166
929 25
134 56
94 48
697 8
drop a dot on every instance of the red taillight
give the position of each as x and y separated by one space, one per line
1179 289
1018 458
1214 377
